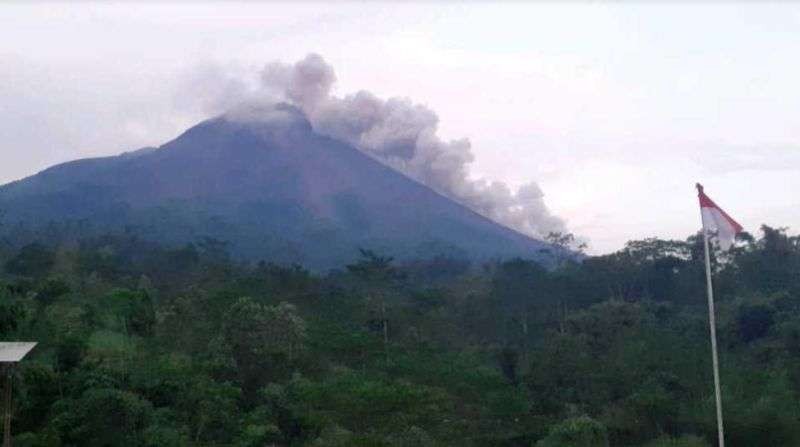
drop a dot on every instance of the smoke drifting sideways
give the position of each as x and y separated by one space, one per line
394 131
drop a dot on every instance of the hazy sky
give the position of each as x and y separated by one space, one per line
616 110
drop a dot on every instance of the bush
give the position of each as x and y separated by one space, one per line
576 432
103 417
753 322
683 441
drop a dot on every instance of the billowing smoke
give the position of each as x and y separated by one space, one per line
403 135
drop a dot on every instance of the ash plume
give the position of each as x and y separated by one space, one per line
400 134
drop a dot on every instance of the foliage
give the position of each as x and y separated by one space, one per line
576 432
683 441
32 260
143 345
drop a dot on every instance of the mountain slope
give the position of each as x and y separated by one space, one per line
274 189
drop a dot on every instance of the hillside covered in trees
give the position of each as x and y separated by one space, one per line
143 345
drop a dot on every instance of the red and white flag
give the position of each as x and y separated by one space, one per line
716 221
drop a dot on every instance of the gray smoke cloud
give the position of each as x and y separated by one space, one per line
398 133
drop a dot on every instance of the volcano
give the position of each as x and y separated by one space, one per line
271 187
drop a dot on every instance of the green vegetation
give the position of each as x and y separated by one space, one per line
142 345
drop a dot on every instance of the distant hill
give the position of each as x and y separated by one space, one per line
275 190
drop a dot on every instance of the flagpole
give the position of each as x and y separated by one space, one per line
713 326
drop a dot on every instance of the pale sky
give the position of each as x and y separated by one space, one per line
615 110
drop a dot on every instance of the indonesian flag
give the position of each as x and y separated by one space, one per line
716 221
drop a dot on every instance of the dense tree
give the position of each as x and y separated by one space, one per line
576 432
263 341
144 345
32 260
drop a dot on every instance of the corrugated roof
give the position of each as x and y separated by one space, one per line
14 351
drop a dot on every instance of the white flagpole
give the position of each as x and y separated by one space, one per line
713 325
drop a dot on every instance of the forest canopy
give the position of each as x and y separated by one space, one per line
147 345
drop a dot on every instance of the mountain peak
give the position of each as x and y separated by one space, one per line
274 115
262 179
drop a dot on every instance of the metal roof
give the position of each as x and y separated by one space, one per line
14 351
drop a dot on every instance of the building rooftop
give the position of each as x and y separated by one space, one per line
11 352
